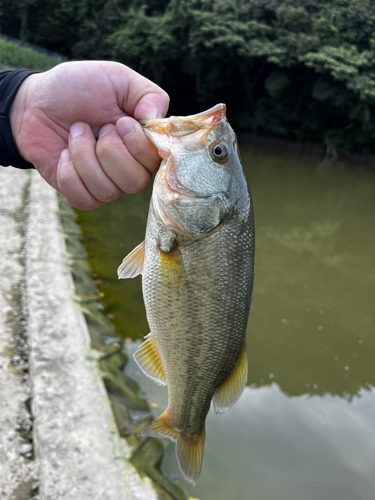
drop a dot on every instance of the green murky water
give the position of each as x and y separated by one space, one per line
304 428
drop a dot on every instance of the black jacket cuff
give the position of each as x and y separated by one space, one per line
10 82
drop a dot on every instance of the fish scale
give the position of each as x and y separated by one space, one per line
197 277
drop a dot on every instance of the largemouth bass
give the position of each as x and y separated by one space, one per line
197 277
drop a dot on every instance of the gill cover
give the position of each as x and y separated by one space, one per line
192 187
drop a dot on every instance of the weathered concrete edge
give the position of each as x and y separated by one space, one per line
79 450
18 470
131 410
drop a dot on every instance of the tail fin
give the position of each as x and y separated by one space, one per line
189 449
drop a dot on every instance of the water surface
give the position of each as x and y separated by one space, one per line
305 425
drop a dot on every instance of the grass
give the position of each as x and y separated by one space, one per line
16 56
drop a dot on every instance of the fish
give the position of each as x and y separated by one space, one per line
197 267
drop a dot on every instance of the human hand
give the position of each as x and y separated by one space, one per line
77 124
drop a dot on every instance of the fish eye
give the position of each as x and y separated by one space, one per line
219 152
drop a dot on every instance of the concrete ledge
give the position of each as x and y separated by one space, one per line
65 445
18 470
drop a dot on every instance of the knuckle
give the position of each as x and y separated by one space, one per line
81 202
138 183
143 151
108 149
138 149
108 194
103 148
78 151
88 205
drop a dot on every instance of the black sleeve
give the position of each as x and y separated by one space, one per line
10 82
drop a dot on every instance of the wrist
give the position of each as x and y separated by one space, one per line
17 114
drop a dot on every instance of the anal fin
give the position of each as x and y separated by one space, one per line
228 393
161 428
148 359
132 265
189 449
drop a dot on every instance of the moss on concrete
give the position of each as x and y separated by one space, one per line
132 412
18 352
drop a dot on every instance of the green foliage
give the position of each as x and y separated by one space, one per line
302 68
344 65
145 42
50 24
15 56
276 83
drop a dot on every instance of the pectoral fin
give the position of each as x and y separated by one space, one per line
189 449
132 265
148 359
173 272
228 393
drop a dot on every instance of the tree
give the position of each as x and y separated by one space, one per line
298 68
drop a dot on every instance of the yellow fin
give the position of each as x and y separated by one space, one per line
148 359
173 272
228 393
161 428
189 449
132 265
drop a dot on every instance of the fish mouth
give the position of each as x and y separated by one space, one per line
190 131
183 125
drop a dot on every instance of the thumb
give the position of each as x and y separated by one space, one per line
152 105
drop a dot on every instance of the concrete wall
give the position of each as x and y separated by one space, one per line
58 436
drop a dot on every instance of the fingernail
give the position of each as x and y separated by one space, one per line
64 156
77 129
106 129
125 127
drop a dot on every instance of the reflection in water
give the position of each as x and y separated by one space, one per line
280 447
312 321
304 428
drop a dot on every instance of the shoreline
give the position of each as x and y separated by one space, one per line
61 365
